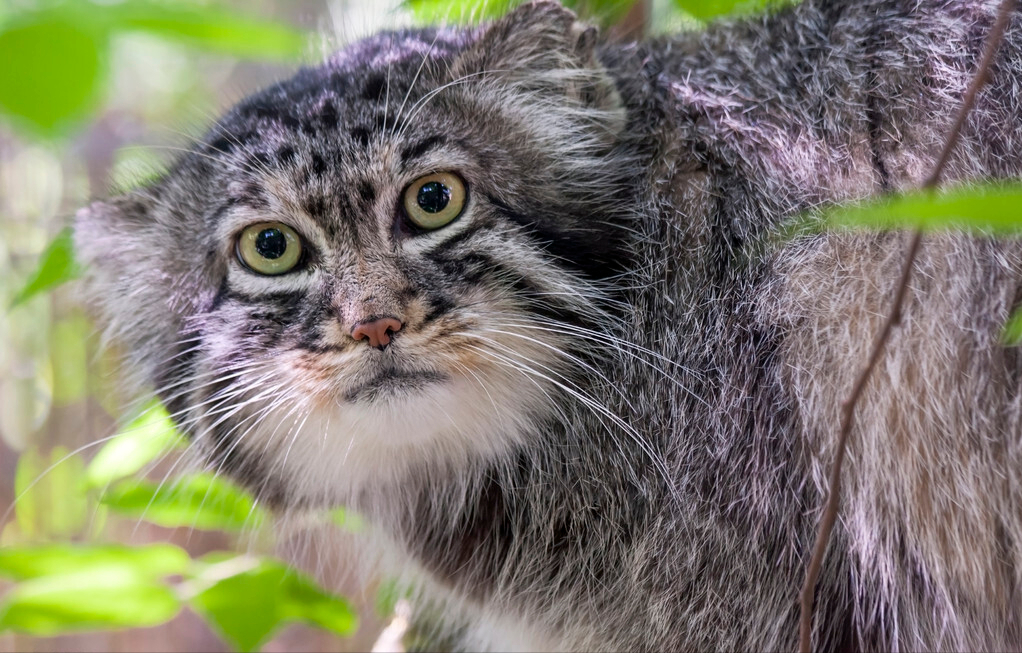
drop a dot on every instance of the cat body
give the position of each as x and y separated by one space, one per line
604 419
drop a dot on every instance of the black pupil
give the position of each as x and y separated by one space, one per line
271 243
433 197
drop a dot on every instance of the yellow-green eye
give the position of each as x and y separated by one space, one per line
434 200
270 248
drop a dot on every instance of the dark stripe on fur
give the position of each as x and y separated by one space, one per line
416 150
583 251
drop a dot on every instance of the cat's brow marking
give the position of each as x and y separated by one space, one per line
416 150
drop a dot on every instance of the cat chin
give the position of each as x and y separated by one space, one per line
329 453
392 386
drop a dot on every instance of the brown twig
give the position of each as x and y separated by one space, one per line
632 26
829 516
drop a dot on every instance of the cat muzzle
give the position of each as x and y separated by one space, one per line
377 331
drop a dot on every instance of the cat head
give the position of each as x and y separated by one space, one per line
383 262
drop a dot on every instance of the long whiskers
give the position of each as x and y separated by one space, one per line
415 80
562 354
421 102
598 409
637 353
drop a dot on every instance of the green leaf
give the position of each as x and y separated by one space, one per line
1011 335
305 601
52 72
135 167
152 562
243 608
710 9
458 11
983 210
65 588
246 608
56 265
347 519
200 501
388 593
62 51
210 28
604 12
100 598
148 437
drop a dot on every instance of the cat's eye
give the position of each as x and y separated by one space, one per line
270 248
434 200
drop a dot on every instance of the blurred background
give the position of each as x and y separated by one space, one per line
106 94
96 96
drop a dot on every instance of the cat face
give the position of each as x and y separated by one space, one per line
377 264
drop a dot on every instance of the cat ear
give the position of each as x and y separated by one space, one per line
124 250
542 47
106 232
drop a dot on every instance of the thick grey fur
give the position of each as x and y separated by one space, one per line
658 485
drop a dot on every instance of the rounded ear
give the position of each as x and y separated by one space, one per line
123 273
542 46
133 284
109 234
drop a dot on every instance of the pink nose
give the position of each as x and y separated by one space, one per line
377 331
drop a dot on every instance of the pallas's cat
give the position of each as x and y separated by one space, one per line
511 292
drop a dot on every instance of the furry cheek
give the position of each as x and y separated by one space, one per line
336 423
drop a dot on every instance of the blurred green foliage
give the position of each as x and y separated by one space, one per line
60 66
56 266
984 209
990 209
63 55
62 51
51 503
89 588
251 603
675 13
1012 333
203 501
604 12
705 10
60 588
148 437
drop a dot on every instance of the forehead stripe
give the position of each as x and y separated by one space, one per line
418 149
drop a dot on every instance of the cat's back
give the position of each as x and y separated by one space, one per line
789 114
931 501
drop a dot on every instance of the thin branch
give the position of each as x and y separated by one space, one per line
632 26
993 41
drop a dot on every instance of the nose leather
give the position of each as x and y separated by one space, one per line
377 331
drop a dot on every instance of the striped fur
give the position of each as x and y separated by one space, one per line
606 420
